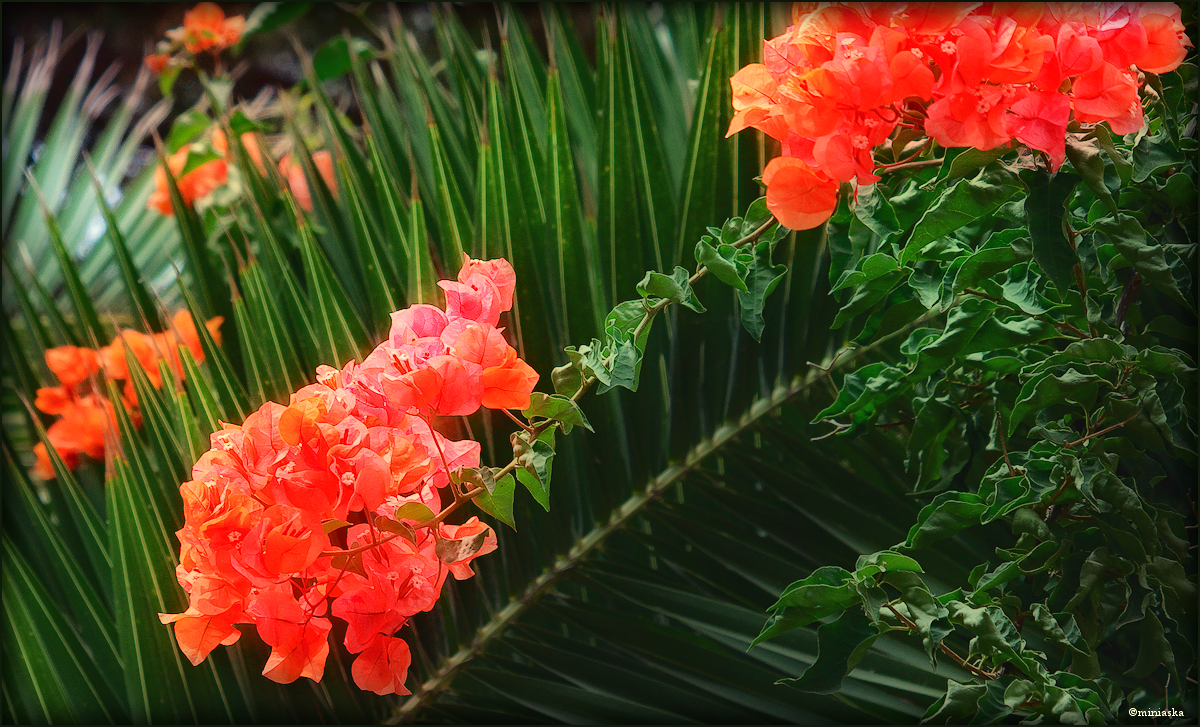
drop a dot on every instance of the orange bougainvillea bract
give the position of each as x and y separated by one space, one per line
84 413
844 76
332 506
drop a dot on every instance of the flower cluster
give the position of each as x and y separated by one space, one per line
843 77
205 28
212 174
333 504
85 414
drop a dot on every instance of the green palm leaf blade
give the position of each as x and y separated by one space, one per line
426 102
194 438
88 322
275 346
47 668
578 86
208 412
665 82
466 77
567 247
28 523
340 334
528 72
336 238
88 532
19 353
422 277
64 333
60 152
141 304
229 390
258 380
382 288
384 120
34 327
281 277
158 488
22 113
399 253
161 434
161 685
200 268
455 232
507 194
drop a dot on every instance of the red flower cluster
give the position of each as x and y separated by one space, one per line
843 77
332 505
85 413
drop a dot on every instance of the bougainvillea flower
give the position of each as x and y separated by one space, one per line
1166 42
293 172
71 364
499 271
157 62
799 197
196 184
359 446
1040 122
383 666
461 569
198 634
205 27
836 84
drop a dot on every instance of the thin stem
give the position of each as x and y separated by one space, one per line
517 421
1106 430
945 649
1012 471
1079 278
923 164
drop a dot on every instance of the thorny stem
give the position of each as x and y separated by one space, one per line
945 649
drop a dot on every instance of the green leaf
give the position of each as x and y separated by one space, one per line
499 502
556 408
841 645
1085 157
959 703
268 16
1044 206
761 280
960 204
1154 153
1001 251
676 288
828 590
1148 259
332 60
1048 388
948 514
536 460
725 262
415 511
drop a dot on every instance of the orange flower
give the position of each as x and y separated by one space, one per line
157 62
196 184
799 197
294 173
249 142
205 27
79 431
72 365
